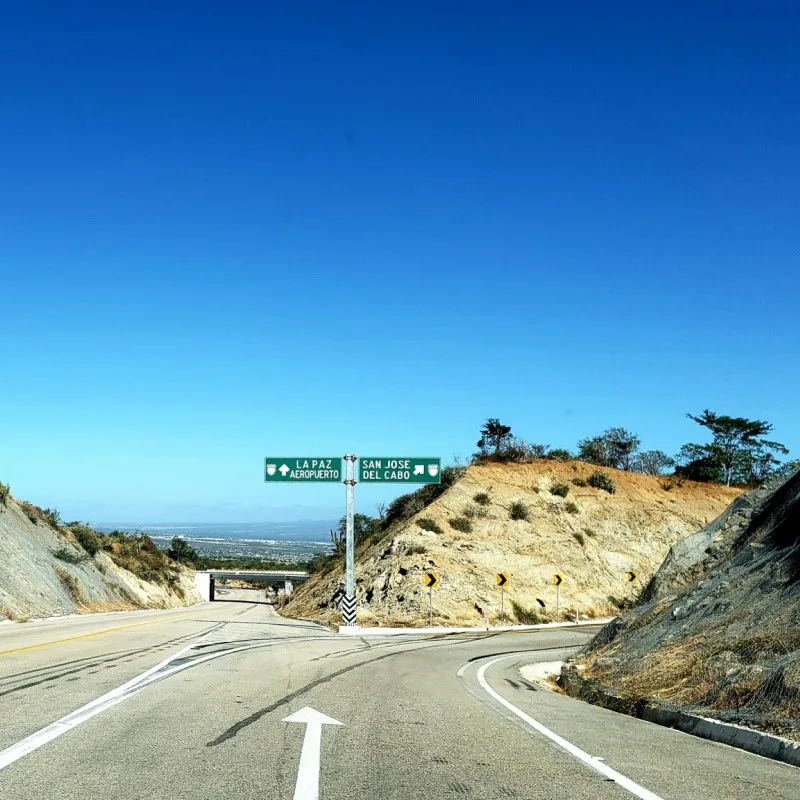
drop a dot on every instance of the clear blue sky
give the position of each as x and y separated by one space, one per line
235 229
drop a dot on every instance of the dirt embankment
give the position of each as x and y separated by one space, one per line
44 571
589 536
717 634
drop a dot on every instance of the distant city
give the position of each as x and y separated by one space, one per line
269 541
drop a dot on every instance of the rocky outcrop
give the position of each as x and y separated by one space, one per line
45 572
717 634
529 521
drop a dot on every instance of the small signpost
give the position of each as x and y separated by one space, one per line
431 582
631 576
318 469
557 579
502 580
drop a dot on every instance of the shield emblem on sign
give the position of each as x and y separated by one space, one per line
433 470
271 469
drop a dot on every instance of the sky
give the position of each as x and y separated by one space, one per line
242 229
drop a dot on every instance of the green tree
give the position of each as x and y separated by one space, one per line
494 437
363 527
653 462
738 446
181 550
615 447
559 454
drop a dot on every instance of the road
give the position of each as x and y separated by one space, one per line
435 716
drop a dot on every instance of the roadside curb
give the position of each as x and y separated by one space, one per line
356 630
761 744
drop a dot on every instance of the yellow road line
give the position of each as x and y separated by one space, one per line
96 633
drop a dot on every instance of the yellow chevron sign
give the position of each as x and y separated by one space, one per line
431 580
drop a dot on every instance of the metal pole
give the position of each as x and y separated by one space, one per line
557 588
349 601
502 607
430 607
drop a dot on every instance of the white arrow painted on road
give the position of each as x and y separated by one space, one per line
307 787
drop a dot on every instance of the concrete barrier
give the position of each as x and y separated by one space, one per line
202 581
356 630
762 744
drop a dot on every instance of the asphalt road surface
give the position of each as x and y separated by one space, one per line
192 703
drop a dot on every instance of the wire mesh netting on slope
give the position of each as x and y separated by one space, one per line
726 646
752 680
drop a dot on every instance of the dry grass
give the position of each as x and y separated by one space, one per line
70 583
13 615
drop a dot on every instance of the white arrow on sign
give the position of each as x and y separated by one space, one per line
419 469
307 787
283 469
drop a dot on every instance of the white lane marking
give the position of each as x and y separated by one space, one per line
594 763
33 742
307 787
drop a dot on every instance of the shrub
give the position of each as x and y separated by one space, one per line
601 480
416 550
5 492
321 562
429 525
579 538
68 555
482 498
559 489
570 507
32 512
70 583
90 540
461 524
579 482
52 517
589 532
668 484
519 510
476 512
560 454
525 616
404 507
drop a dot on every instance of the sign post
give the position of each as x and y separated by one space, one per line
394 469
349 601
557 582
431 581
502 580
631 576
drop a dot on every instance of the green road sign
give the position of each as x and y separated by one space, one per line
397 469
303 469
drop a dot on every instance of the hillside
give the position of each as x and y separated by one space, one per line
717 634
46 571
591 537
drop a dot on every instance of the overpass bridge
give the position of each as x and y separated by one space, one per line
205 580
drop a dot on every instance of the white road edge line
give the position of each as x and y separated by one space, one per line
573 750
